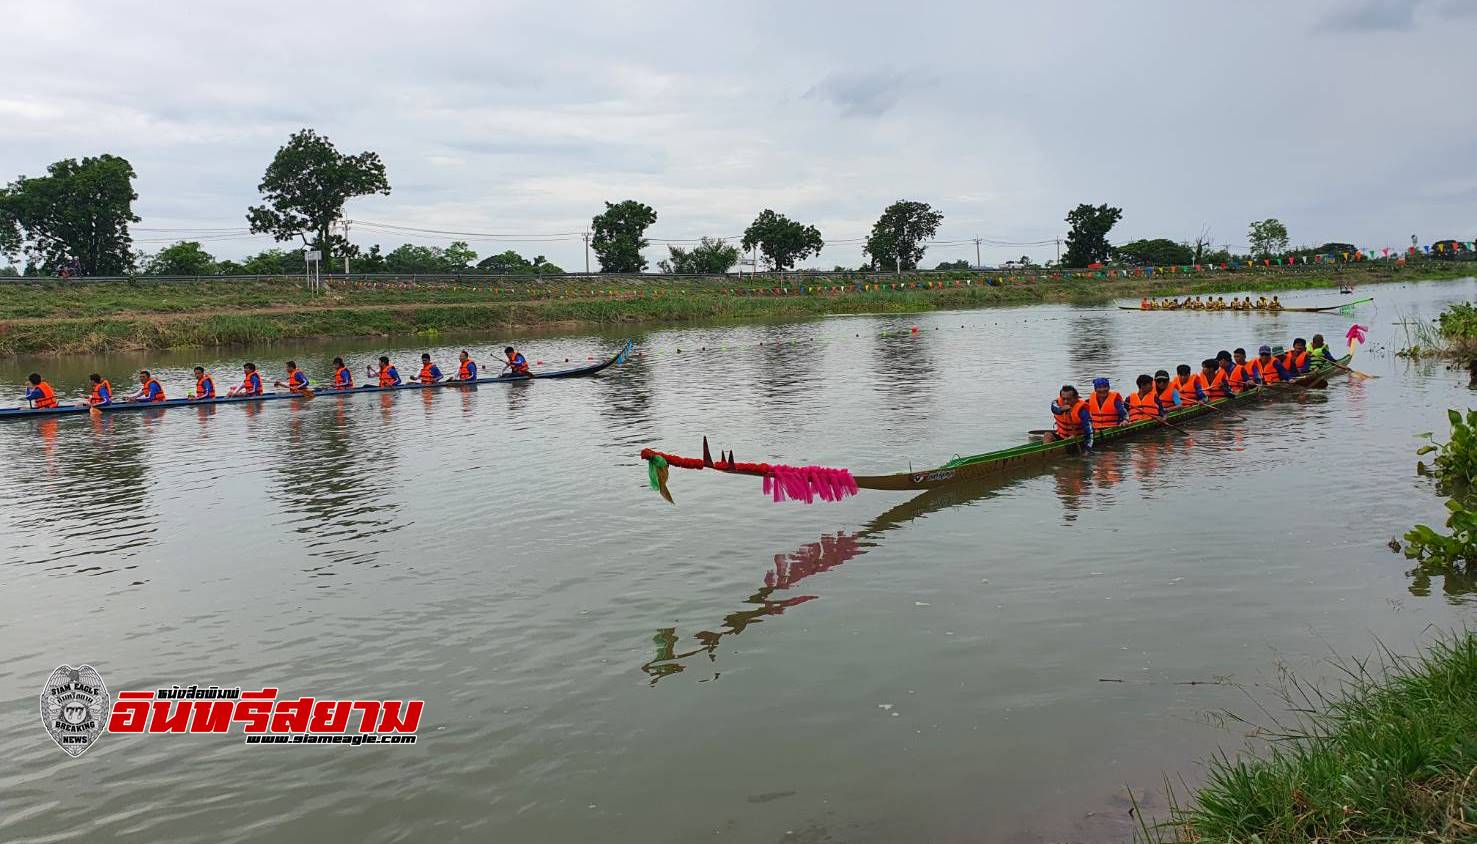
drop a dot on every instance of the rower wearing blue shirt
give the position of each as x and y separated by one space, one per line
386 375
297 380
1072 417
1105 406
1273 367
517 364
430 372
342 379
150 391
1169 397
467 370
1298 360
204 385
102 391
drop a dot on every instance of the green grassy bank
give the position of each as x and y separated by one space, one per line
67 317
1391 757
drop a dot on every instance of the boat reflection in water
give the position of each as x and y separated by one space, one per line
1075 479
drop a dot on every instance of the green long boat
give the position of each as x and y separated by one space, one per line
825 481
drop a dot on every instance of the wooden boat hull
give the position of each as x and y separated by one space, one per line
1284 309
118 407
1005 460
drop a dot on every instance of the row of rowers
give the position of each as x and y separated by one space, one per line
1225 375
1211 303
41 395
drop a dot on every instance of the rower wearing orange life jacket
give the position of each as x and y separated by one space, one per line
297 380
1072 417
1269 360
1144 404
1169 397
342 379
102 391
1215 379
1244 375
251 384
1296 360
430 372
386 375
1105 406
517 364
39 393
1191 386
204 385
466 370
149 389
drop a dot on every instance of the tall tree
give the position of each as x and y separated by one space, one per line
620 235
1087 235
410 258
511 263
458 256
898 235
187 257
79 211
1268 237
710 257
782 240
1159 252
305 188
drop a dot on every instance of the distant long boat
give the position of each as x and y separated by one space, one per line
117 406
1305 310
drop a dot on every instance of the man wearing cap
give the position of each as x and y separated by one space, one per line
1269 358
1169 397
1105 406
1072 417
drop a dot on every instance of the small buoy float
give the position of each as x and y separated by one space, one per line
915 329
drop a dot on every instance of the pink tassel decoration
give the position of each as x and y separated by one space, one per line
806 483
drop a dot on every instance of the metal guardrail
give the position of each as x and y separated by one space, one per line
780 279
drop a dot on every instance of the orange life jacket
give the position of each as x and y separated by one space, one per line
1241 376
342 378
464 371
1166 397
1187 385
1217 388
385 379
1106 414
200 387
1269 372
97 390
160 397
48 395
426 373
1141 407
1068 422
1294 362
252 383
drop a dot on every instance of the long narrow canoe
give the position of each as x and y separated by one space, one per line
1284 308
116 407
995 462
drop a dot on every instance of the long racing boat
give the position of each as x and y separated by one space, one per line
1284 309
119 406
810 482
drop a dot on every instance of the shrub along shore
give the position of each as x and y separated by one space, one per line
62 317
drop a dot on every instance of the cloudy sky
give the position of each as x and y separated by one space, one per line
1347 119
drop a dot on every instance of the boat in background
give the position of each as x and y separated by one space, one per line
1284 308
114 407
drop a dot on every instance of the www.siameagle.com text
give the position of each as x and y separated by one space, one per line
350 740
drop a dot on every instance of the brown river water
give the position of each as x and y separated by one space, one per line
997 663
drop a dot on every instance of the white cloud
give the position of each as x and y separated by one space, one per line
523 117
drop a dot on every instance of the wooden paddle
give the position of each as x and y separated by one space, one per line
304 391
1363 375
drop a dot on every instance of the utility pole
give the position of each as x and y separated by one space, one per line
977 262
1058 252
897 250
346 248
586 238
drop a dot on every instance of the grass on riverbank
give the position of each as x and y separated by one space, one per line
1451 335
1391 757
65 317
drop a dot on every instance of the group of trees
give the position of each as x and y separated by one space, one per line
76 218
